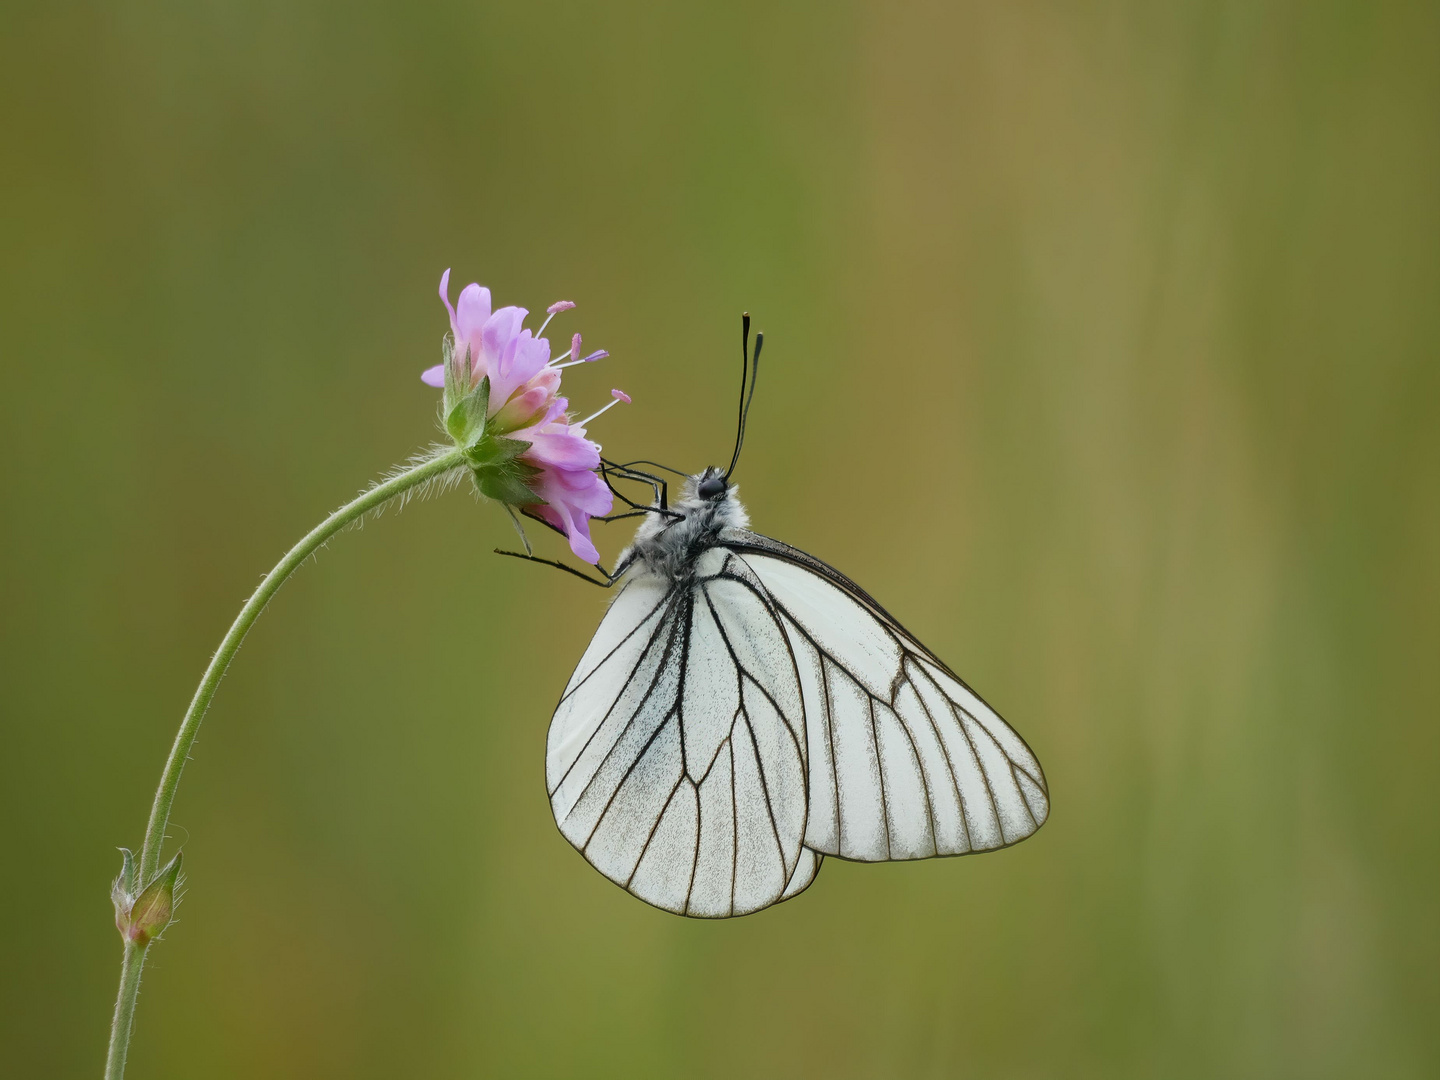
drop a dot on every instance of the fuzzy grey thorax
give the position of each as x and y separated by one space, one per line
669 546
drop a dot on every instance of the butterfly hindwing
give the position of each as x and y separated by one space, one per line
676 758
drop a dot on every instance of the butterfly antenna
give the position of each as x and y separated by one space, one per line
749 373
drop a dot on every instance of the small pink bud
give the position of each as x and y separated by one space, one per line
559 306
620 395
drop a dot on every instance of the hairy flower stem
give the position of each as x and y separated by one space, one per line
124 1018
429 469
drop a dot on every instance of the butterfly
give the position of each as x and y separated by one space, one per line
745 710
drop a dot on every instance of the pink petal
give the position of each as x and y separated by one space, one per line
434 376
473 310
557 412
580 542
445 299
560 448
499 333
571 499
522 408
517 366
585 491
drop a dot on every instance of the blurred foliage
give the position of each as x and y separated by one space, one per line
1102 345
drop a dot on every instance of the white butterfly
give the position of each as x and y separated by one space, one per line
745 710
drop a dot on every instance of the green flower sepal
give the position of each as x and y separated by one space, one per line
494 460
466 405
499 472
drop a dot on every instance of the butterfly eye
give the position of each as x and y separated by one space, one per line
712 488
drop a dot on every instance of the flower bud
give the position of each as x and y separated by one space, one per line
140 919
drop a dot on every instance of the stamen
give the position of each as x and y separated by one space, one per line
599 354
553 310
618 395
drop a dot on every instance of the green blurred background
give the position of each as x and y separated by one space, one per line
1104 348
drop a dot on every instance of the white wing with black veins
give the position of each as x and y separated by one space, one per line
676 758
718 738
905 760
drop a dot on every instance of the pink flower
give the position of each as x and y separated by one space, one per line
572 490
525 405
492 343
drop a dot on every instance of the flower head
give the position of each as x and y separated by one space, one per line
502 405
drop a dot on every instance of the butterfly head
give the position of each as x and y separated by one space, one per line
670 542
711 485
709 497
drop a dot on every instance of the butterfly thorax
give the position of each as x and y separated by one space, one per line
670 545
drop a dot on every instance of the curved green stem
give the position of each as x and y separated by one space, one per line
352 511
124 1020
180 751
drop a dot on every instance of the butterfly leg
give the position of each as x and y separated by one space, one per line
609 580
659 488
654 481
656 486
606 468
